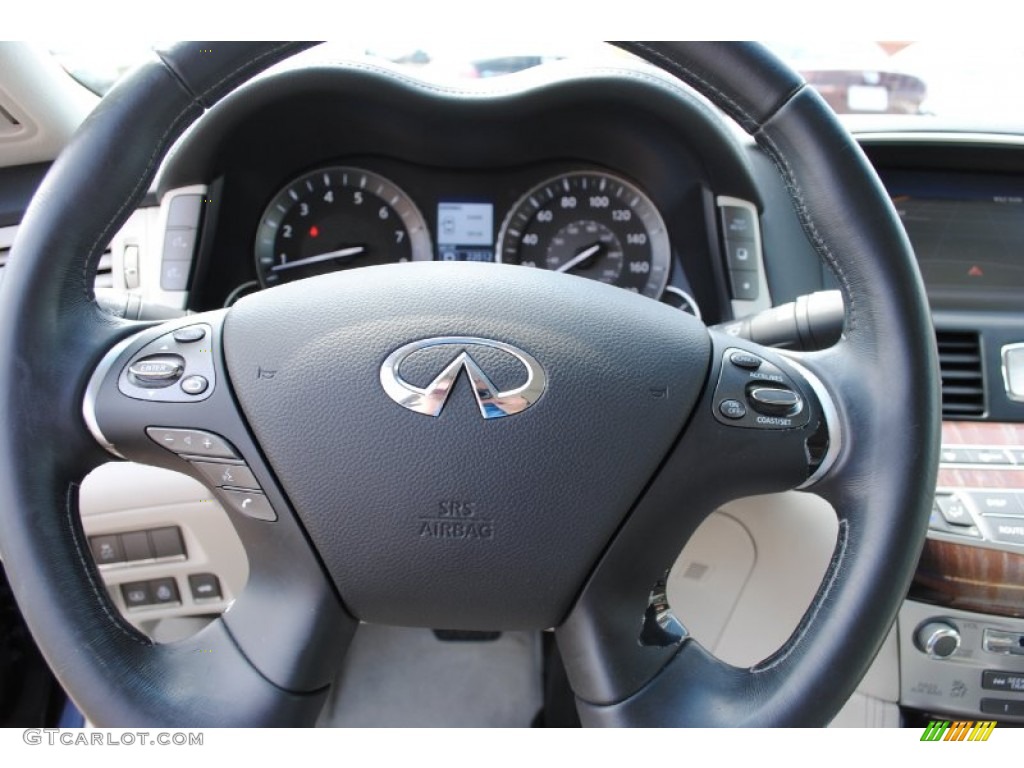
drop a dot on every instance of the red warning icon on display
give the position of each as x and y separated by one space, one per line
975 271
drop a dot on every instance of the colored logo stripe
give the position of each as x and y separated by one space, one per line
982 730
961 730
958 731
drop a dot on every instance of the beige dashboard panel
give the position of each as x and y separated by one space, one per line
119 498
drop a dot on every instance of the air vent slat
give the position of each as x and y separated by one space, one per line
104 271
954 375
963 383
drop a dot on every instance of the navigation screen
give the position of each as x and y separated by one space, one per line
967 232
967 243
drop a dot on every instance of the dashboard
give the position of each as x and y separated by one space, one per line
600 174
617 175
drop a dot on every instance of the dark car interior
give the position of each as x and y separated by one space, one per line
645 392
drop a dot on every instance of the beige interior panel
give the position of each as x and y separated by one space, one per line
125 497
763 597
747 576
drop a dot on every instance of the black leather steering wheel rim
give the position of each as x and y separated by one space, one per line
883 375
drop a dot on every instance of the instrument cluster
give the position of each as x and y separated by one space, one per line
591 223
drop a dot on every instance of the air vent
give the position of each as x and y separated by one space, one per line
104 273
963 384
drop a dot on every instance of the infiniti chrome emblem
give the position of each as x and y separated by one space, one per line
430 399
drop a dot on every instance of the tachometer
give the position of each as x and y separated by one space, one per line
335 218
591 224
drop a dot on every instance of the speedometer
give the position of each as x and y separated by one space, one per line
335 218
591 224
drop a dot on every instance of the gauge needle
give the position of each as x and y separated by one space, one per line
341 253
579 258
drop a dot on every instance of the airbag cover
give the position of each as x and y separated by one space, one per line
455 520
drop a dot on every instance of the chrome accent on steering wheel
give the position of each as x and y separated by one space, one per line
430 400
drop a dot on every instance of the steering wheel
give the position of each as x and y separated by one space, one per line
605 428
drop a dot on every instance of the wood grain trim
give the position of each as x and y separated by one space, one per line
970 578
976 434
981 479
982 433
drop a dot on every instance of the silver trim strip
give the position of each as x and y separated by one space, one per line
835 434
742 308
1016 397
686 297
92 391
151 271
938 137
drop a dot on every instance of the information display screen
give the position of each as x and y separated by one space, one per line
967 230
465 231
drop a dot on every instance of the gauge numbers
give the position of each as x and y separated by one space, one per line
592 224
335 218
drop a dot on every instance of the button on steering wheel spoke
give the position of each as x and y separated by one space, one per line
203 434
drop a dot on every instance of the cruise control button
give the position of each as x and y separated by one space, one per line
1008 530
249 503
194 385
190 334
233 475
775 401
998 502
732 409
745 360
192 441
106 549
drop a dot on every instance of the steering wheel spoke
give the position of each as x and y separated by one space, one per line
161 396
765 424
358 439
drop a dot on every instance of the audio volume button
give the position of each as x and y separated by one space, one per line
938 639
